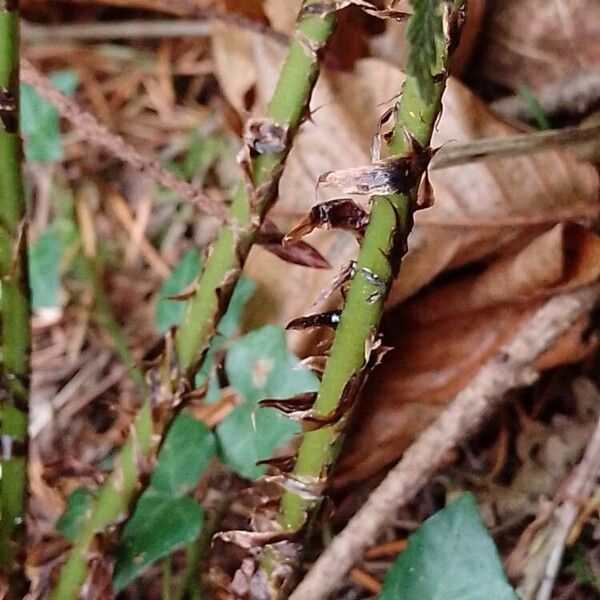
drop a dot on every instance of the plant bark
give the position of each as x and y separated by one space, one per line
14 306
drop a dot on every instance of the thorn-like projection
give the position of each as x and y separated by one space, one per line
341 213
252 539
298 403
282 464
330 318
298 253
315 363
309 488
341 280
264 136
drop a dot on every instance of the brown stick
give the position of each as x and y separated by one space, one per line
99 135
574 94
510 368
579 488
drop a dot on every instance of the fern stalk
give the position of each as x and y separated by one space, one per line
216 282
382 248
15 337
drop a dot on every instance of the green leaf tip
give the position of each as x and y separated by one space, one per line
451 556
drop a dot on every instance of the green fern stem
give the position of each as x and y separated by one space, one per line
214 287
15 337
382 248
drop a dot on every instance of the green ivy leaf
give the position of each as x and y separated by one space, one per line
258 366
40 122
451 556
424 32
158 526
171 312
165 518
44 277
228 327
74 513
186 452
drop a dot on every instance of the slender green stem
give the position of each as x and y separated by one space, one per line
117 491
379 258
216 282
14 301
166 579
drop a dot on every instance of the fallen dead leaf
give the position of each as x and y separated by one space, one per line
516 49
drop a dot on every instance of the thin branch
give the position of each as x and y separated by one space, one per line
114 30
574 94
99 135
580 486
511 146
511 367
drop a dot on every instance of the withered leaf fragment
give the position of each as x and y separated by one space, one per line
252 539
324 8
342 278
298 253
394 175
282 464
340 213
264 136
300 402
307 487
329 318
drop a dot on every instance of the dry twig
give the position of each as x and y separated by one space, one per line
99 135
511 367
579 488
575 94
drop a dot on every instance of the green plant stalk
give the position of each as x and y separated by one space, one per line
14 300
287 108
389 225
115 494
216 282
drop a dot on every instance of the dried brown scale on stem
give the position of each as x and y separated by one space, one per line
340 213
99 135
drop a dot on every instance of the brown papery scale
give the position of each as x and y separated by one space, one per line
330 318
341 213
298 253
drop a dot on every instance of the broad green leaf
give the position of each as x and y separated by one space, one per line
40 122
450 557
171 312
74 513
165 518
158 526
258 366
44 277
186 452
